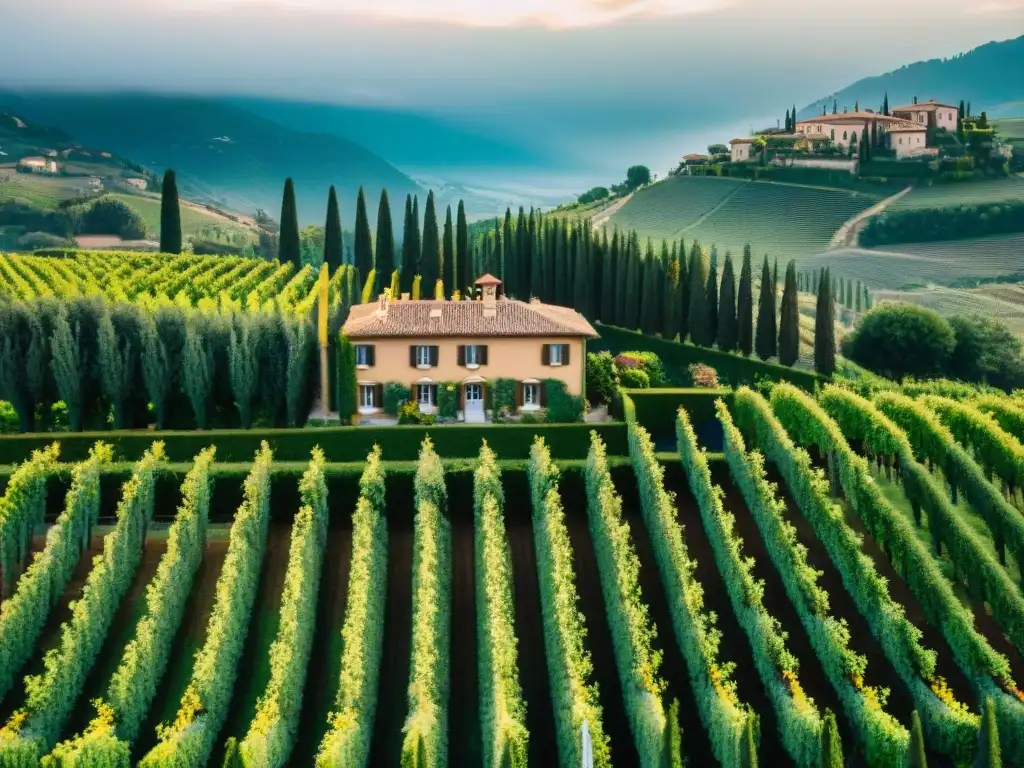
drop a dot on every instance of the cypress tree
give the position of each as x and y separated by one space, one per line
410 249
748 743
728 330
787 122
631 310
989 754
857 297
536 258
621 278
288 248
745 306
789 325
831 754
765 337
448 253
775 276
698 321
332 233
417 243
385 255
363 242
561 291
824 328
463 262
711 298
170 215
348 390
683 295
885 105
581 289
522 257
509 269
849 294
916 757
430 267
670 302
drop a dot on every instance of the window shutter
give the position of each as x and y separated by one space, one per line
542 392
565 354
545 354
412 355
378 396
483 354
434 355
462 354
371 352
519 394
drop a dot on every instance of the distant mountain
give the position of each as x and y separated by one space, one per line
413 142
222 154
988 76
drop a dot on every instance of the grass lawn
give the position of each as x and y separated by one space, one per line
193 221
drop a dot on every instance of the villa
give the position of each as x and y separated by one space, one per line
931 114
421 343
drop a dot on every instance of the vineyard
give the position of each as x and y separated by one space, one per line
665 209
983 191
841 586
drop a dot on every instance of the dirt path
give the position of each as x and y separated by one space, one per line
846 235
611 210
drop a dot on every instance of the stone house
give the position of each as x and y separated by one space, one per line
742 150
931 114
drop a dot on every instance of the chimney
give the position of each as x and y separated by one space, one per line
488 285
382 305
404 297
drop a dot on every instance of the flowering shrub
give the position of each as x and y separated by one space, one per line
703 376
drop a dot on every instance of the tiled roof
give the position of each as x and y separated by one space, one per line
696 157
908 129
924 106
742 141
853 116
466 318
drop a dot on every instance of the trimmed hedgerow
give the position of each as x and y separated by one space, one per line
799 721
21 509
24 614
988 670
108 737
570 670
347 743
885 741
632 630
271 736
426 727
728 721
34 729
1005 411
902 423
502 709
188 740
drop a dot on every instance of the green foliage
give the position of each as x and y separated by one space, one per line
825 327
570 670
199 368
884 738
632 631
274 726
745 307
700 330
789 323
362 248
301 343
51 696
561 406
728 324
244 368
189 739
798 718
601 378
447 400
503 398
944 223
986 351
649 362
24 614
765 338
898 340
395 394
721 711
989 753
170 215
110 216
348 389
332 233
831 748
347 742
426 726
916 757
502 708
634 378
21 510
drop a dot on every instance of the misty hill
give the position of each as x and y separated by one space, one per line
411 141
222 154
987 76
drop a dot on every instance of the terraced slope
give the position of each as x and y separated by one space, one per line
665 209
1011 188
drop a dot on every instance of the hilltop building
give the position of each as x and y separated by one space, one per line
931 114
740 149
845 129
37 165
423 343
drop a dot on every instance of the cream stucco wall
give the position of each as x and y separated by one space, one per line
740 153
512 358
840 133
906 144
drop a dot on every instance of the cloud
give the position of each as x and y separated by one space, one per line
995 7
564 14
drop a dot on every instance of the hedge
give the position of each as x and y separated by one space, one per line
732 369
988 670
33 730
573 693
502 708
1006 412
425 742
633 633
347 741
272 733
189 740
883 738
21 509
339 444
727 720
799 721
656 409
119 716
24 614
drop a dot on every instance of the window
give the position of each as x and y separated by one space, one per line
557 354
364 355
833 134
901 139
423 356
531 395
367 396
473 355
844 135
426 395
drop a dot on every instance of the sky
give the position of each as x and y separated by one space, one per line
600 79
